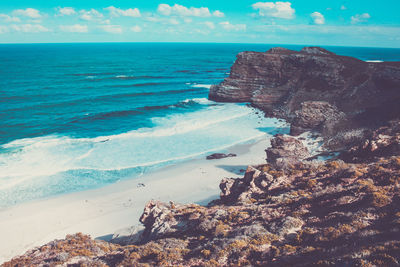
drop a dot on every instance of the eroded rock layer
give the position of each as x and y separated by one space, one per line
280 80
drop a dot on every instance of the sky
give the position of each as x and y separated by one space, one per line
368 23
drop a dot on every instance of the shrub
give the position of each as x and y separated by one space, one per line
379 199
206 253
221 229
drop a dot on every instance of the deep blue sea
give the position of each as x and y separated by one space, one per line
79 116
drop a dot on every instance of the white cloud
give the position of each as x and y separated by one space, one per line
8 18
35 21
173 21
209 24
318 18
111 28
74 28
152 19
182 11
31 28
342 7
198 31
66 11
281 10
136 28
117 12
89 15
218 14
164 9
233 27
343 30
358 18
29 12
3 29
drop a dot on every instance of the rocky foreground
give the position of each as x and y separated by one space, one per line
330 213
296 209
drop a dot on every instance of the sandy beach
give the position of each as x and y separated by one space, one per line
102 212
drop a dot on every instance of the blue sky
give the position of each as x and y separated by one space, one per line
312 22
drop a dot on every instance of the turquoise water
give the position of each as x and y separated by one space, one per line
80 116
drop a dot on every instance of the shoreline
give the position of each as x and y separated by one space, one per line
102 212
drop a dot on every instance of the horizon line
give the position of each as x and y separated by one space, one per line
188 42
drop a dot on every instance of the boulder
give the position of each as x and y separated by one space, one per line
220 156
286 151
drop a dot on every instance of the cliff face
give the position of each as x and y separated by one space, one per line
279 80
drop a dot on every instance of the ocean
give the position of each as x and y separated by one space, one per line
75 117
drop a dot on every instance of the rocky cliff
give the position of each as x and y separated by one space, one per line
280 80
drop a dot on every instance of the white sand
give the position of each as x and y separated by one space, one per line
103 211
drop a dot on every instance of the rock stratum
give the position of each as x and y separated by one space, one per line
313 86
292 210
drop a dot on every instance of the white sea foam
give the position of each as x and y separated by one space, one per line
39 167
201 86
374 61
203 101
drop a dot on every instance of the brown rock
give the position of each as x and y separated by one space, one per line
157 220
286 150
220 156
316 116
382 142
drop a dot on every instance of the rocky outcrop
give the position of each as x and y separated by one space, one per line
280 80
220 156
382 142
329 213
286 151
317 116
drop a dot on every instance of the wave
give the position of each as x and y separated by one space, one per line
94 99
185 71
96 78
127 77
107 115
158 93
187 103
202 86
182 104
43 166
182 126
137 85
91 74
203 101
374 61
